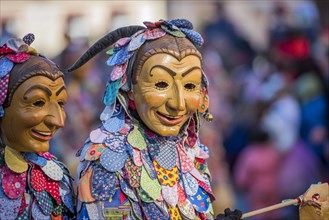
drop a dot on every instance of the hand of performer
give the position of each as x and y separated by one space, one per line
230 215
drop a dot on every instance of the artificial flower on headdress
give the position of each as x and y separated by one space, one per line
15 50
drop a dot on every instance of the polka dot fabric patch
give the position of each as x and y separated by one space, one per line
113 161
116 143
136 139
152 187
53 170
53 188
38 180
44 201
151 211
200 200
37 212
167 155
148 165
190 183
181 194
13 183
3 88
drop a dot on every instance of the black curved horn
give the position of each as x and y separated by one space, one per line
103 43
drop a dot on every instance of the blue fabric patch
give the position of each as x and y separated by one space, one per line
116 122
113 161
9 207
112 89
83 214
119 57
200 200
148 164
151 211
35 158
5 66
103 183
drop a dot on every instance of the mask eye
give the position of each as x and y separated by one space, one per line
61 103
161 85
189 86
39 103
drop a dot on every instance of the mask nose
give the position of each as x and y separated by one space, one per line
177 99
56 116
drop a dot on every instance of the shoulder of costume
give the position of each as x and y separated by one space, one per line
36 180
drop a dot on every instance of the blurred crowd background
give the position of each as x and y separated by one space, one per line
267 63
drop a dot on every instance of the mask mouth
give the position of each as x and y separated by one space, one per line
42 135
169 119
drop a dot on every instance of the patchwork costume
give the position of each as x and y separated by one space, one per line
33 185
126 171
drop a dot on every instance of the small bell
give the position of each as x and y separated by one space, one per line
208 116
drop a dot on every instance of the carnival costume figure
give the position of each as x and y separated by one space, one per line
33 183
146 161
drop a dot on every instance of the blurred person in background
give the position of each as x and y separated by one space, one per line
85 86
256 174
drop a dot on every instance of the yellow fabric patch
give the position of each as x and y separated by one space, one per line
166 177
94 152
84 188
15 161
174 213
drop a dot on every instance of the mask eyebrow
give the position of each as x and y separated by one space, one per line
43 88
60 90
172 73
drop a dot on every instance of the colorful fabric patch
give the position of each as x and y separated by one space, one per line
112 89
154 33
207 189
197 174
37 212
136 138
15 161
94 152
3 91
35 158
44 201
187 210
113 161
137 157
166 177
170 195
200 200
136 210
53 170
152 187
103 183
9 208
148 165
38 180
154 149
6 66
97 136
174 213
69 202
83 213
134 173
190 183
107 112
52 188
142 194
13 183
119 57
116 143
18 57
84 187
127 190
84 150
46 155
181 194
136 42
118 71
94 210
183 161
5 50
151 211
167 155
116 122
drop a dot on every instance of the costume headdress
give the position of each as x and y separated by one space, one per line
127 41
14 68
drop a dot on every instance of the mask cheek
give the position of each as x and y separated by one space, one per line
192 102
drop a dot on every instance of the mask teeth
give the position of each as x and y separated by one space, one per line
208 116
29 38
